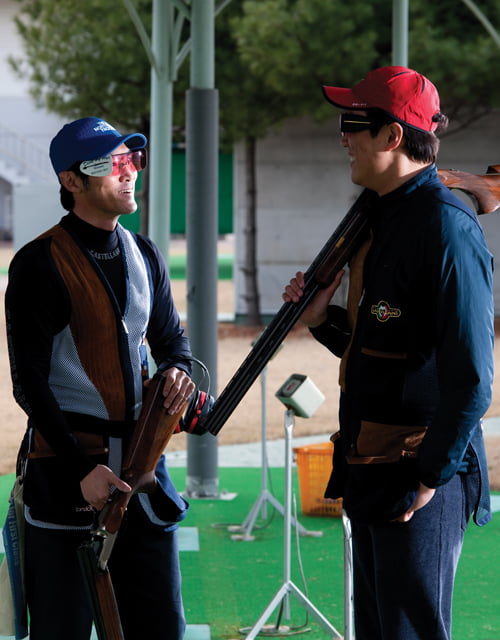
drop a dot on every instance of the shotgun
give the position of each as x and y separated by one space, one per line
344 241
149 439
338 250
483 189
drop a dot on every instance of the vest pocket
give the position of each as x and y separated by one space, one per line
380 443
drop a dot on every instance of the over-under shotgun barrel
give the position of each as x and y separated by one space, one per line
340 247
333 256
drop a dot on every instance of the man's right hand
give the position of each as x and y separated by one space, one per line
98 484
316 311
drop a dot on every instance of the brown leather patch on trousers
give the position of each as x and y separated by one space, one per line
378 442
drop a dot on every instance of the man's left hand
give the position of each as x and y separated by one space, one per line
177 389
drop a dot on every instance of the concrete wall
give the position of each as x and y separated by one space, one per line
304 190
36 209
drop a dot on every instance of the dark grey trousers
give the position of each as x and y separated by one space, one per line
145 571
404 572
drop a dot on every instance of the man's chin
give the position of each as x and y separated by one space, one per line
129 212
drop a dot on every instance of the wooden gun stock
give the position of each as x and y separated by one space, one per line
483 189
150 437
338 250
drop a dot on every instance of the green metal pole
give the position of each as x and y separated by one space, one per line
400 32
483 20
201 230
160 142
203 44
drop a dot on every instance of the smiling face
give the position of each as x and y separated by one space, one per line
362 149
101 200
378 160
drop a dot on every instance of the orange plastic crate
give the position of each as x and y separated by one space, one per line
314 465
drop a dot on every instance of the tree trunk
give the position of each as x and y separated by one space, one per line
249 268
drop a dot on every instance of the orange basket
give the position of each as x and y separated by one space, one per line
314 465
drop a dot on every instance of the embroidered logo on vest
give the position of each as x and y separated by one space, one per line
383 311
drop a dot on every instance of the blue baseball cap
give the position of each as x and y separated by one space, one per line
88 139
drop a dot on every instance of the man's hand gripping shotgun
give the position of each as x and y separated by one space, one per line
338 250
149 439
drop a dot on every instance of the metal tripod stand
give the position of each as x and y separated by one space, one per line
244 530
288 588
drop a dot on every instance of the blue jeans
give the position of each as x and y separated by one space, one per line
404 572
145 572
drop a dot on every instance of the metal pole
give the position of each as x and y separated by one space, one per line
400 32
483 20
202 230
263 444
160 143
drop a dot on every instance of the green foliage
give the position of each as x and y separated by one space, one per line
248 106
85 59
450 46
295 46
271 58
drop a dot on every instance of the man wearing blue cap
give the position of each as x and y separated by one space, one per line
82 300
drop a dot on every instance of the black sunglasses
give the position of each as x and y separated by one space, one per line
352 122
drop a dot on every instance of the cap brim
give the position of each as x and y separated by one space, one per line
343 98
135 141
109 143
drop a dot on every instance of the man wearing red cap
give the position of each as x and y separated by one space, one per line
416 349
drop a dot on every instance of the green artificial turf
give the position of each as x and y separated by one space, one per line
177 267
228 584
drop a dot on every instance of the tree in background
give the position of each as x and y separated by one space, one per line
247 110
268 42
271 58
296 45
451 46
291 47
85 59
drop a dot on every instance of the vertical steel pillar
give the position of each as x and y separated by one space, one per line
202 230
400 32
160 143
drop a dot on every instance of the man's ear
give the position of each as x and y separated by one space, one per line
71 181
394 135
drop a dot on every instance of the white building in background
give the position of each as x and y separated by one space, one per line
25 134
303 182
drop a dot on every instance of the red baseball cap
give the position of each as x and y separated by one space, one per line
407 96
